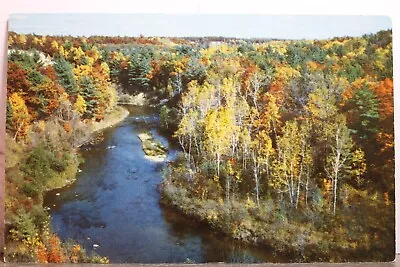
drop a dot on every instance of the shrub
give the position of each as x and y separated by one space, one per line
31 189
39 216
42 166
38 165
59 164
24 227
238 213
55 251
14 152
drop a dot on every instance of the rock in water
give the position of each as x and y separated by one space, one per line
153 149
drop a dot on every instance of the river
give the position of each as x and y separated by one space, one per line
113 207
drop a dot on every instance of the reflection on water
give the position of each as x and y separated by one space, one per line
113 207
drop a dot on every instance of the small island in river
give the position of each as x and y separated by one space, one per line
153 149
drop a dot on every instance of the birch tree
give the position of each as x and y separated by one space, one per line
294 162
337 159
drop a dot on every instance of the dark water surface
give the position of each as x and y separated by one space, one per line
113 207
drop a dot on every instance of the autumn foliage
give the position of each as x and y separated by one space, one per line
291 133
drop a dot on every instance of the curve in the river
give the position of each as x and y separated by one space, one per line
113 207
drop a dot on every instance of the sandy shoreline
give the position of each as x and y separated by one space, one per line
116 116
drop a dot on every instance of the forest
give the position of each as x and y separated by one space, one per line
285 144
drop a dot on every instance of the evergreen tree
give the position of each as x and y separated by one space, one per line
138 71
65 75
9 115
88 92
365 107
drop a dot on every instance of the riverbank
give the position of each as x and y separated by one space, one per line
305 238
68 177
33 172
237 220
116 116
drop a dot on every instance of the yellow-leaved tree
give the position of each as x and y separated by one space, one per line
20 116
80 105
219 129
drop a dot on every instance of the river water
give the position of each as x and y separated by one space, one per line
113 207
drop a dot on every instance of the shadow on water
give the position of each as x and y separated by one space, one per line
114 205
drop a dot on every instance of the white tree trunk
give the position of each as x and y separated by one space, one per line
218 162
335 195
228 188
